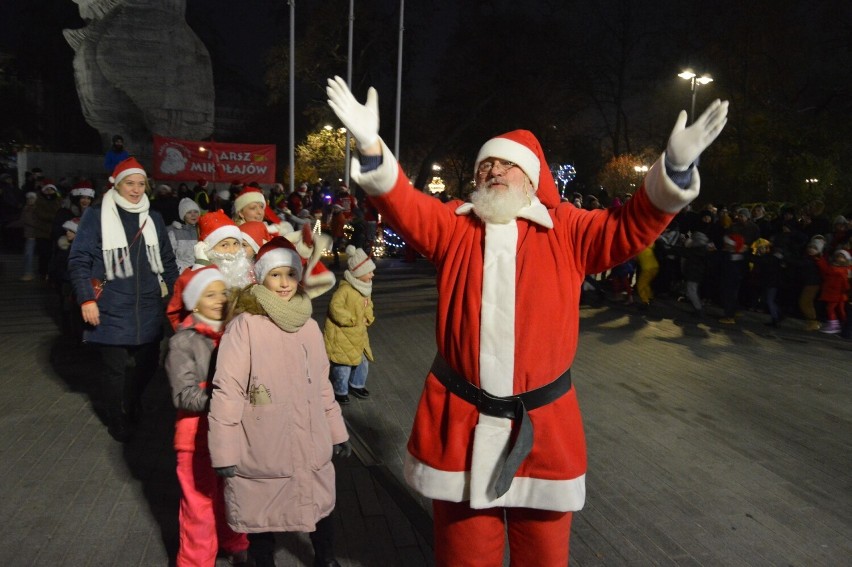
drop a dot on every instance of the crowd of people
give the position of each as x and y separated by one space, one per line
256 382
258 386
792 262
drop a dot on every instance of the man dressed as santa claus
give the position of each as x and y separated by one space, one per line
497 441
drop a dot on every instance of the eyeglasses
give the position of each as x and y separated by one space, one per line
490 165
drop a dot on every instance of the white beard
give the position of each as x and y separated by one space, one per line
498 207
236 268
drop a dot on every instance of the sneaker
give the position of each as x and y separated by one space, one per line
342 400
359 392
728 321
831 327
812 326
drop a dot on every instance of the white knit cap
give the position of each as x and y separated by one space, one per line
359 263
277 253
202 276
186 205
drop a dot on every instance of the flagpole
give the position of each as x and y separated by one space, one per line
399 78
349 82
292 4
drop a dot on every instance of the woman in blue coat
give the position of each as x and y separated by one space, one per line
124 245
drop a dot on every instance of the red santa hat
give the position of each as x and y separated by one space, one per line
215 226
197 280
188 289
83 189
735 242
317 279
124 168
248 196
71 224
270 216
49 186
278 252
523 148
255 234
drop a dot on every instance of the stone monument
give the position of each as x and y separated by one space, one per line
141 70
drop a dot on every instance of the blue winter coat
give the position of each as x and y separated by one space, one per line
131 309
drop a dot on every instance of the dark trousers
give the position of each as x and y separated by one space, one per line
126 372
732 277
262 545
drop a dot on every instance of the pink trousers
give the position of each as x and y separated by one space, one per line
203 528
475 538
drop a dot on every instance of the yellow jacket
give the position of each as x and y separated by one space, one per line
345 331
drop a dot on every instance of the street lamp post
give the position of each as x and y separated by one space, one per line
694 80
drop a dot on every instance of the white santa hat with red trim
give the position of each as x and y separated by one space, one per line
248 196
523 148
278 252
125 168
196 279
215 226
83 189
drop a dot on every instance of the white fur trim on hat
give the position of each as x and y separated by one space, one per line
199 282
125 172
223 232
504 148
278 258
186 205
248 197
83 192
71 225
359 263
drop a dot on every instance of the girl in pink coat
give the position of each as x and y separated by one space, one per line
274 422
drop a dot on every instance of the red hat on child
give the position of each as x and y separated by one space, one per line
188 289
277 253
215 226
255 234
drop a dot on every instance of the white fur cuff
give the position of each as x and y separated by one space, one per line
664 193
380 180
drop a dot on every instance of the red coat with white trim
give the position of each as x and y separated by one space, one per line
509 298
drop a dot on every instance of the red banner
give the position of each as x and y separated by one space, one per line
186 160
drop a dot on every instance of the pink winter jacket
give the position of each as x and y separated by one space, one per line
274 416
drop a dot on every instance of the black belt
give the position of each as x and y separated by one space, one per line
509 407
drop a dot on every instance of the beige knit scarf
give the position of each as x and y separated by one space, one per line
364 288
290 315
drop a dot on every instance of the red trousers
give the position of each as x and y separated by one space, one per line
202 513
475 538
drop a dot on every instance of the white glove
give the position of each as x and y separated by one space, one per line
362 120
686 144
201 250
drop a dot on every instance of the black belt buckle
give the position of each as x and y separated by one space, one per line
508 407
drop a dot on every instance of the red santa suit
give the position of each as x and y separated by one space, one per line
507 321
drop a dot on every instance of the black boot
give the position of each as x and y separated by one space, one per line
262 549
323 542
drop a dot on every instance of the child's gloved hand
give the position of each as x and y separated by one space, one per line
226 472
343 449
